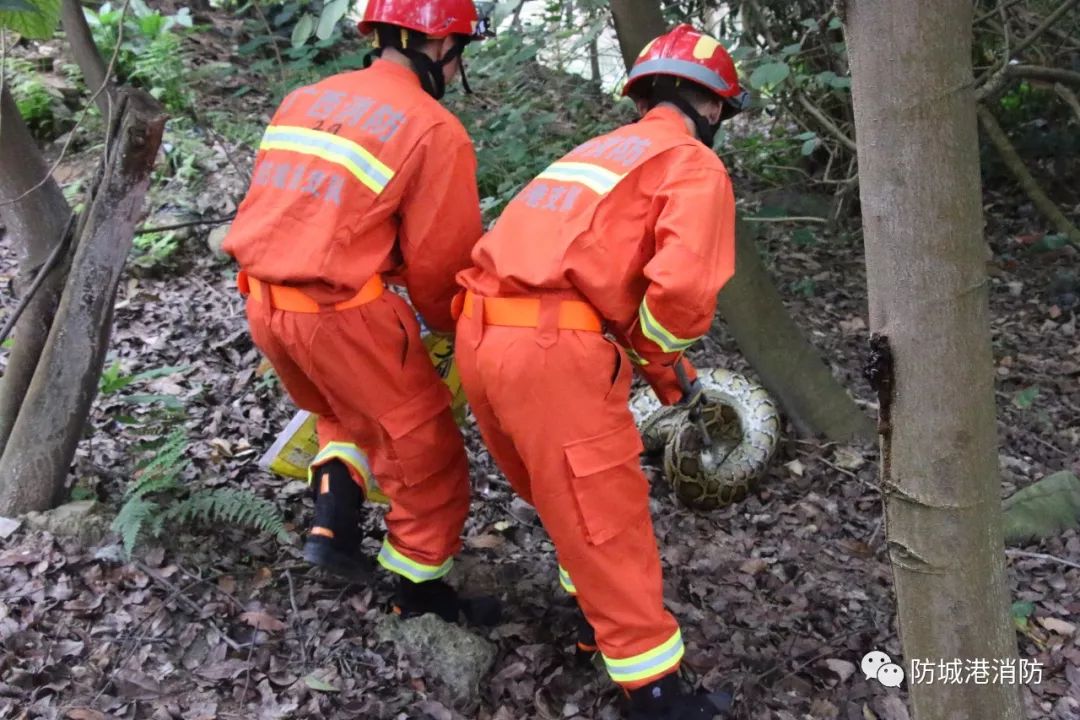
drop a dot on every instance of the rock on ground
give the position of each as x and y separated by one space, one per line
449 654
83 520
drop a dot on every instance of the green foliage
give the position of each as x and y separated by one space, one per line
151 53
157 500
40 104
1043 509
35 19
1020 612
1026 397
114 379
229 505
529 115
154 249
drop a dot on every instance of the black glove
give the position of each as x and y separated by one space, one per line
692 395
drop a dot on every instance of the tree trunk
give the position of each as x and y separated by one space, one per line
790 368
34 464
919 166
85 53
35 224
636 23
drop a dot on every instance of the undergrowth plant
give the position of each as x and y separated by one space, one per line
158 499
40 104
151 52
161 496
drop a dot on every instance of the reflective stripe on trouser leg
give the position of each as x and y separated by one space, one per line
566 582
394 561
353 457
654 663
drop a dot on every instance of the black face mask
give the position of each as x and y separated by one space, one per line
429 71
706 131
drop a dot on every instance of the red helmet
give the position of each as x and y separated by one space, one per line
434 18
687 53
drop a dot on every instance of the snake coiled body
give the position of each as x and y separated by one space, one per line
739 416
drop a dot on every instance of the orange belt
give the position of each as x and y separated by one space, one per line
294 300
525 312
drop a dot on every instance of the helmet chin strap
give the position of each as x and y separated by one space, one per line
706 131
430 72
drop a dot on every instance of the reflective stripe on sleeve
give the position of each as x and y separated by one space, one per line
660 335
566 582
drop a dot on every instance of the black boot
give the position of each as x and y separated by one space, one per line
435 596
586 636
666 700
334 540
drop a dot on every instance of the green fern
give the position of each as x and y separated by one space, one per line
230 505
132 520
162 471
159 474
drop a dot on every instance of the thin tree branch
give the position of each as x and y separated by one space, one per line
1041 556
1023 176
273 40
991 81
85 110
1069 97
177 226
828 124
793 218
1049 74
42 273
991 13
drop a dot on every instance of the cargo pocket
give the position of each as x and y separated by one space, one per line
609 487
424 437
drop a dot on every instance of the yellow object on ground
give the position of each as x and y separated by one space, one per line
298 444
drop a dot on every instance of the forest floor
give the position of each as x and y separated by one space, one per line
779 596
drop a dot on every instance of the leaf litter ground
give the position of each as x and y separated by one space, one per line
779 596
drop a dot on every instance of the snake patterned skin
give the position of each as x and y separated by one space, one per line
743 422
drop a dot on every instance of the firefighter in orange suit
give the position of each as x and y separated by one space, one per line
361 176
630 236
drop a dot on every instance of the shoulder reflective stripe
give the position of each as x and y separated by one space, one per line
594 177
566 582
682 68
391 559
347 453
364 166
659 334
658 661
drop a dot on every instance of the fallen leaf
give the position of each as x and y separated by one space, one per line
223 670
894 708
842 668
488 541
796 467
316 683
435 710
1058 626
8 526
84 714
261 620
134 685
848 459
753 566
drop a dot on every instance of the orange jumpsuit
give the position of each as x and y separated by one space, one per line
359 176
632 232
